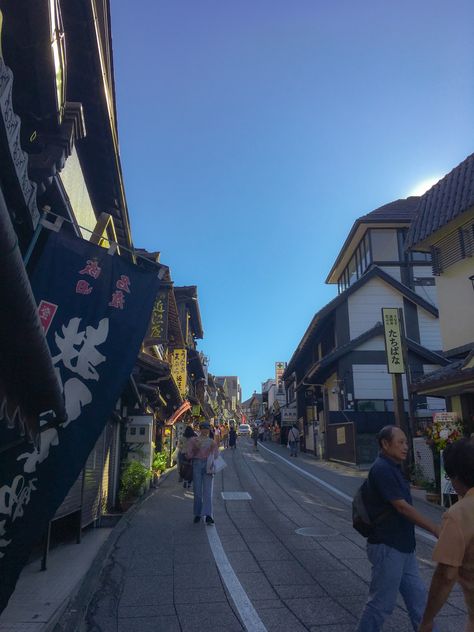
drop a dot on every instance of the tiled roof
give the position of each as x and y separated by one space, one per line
400 211
457 371
446 200
397 211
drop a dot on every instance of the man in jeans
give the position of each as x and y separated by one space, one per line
391 546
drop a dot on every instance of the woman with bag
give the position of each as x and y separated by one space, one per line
293 440
184 464
199 449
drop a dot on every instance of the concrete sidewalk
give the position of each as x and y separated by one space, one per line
41 597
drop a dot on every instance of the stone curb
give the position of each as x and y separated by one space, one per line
70 616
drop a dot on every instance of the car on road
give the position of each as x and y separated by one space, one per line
244 429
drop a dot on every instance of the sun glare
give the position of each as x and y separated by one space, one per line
424 185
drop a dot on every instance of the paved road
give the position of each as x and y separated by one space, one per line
253 570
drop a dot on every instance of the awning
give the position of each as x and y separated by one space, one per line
455 379
178 413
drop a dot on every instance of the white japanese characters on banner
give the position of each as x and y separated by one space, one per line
94 309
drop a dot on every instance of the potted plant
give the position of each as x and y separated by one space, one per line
432 493
133 480
417 476
159 464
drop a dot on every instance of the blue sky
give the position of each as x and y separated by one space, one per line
254 132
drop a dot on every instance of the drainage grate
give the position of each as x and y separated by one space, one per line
316 532
236 496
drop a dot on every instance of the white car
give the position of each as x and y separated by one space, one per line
244 429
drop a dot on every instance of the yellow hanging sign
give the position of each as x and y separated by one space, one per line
178 370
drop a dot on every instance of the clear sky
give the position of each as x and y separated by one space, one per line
254 132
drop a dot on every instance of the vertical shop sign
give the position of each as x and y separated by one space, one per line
279 370
95 309
158 329
178 370
393 339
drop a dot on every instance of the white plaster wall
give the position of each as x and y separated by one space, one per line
456 304
393 271
371 381
430 333
374 344
366 304
428 292
76 189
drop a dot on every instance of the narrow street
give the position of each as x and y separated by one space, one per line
285 558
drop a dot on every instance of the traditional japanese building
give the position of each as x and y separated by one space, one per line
60 170
60 173
252 408
444 231
337 377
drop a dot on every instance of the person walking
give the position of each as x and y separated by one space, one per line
255 437
199 449
391 544
184 464
293 440
232 438
268 432
225 435
261 431
454 551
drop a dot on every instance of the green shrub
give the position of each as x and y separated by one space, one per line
134 476
160 461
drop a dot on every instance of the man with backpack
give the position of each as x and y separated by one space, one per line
391 535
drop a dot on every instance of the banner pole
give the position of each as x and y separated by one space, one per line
32 243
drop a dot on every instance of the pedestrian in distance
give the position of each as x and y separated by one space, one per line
454 551
261 431
293 440
268 433
391 541
184 464
255 437
232 438
225 435
198 450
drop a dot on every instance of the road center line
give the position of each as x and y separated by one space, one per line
247 612
422 534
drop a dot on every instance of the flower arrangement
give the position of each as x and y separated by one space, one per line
442 432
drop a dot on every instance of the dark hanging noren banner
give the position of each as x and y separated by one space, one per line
95 309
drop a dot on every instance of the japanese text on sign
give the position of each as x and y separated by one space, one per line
279 370
393 340
178 370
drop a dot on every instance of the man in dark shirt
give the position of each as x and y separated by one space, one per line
391 546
